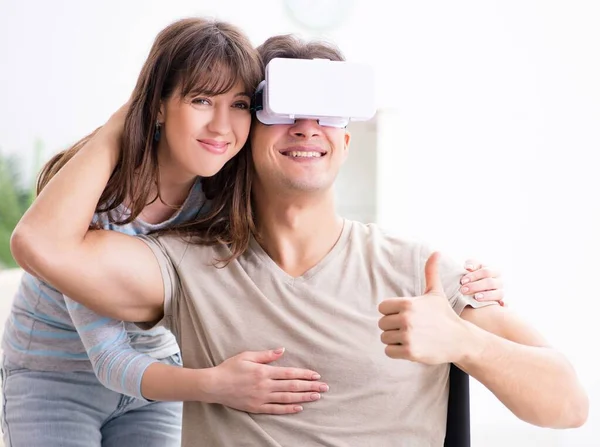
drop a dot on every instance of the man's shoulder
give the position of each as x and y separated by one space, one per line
390 258
406 256
375 237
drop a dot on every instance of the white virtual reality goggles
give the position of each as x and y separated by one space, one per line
331 92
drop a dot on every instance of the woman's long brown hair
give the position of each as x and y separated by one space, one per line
191 56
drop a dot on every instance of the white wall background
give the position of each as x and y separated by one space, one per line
487 137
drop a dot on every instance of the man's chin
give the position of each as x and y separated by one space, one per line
305 186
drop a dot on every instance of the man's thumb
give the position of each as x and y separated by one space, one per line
433 283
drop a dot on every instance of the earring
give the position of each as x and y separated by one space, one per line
157 131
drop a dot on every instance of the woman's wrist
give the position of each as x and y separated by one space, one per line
108 141
110 135
205 384
174 383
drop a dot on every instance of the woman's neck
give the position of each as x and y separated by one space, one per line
167 203
167 195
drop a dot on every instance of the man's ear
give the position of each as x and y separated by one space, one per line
347 138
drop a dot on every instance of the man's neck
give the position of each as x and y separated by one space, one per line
297 234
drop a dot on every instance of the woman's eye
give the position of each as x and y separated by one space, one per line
202 101
242 105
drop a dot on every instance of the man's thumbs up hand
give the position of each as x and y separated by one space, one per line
423 329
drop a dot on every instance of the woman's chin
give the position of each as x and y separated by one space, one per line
208 171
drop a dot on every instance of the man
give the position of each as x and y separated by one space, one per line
378 317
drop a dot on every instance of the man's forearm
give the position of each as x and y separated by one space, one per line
173 383
536 383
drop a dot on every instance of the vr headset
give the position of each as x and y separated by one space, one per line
331 92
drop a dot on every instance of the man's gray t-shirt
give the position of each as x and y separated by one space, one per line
327 321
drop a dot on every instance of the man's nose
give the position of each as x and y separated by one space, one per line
306 128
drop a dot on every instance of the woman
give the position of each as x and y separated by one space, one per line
187 119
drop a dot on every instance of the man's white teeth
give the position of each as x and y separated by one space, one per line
303 154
